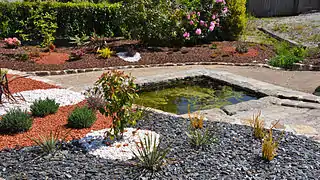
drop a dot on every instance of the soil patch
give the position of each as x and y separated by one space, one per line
43 126
149 55
52 58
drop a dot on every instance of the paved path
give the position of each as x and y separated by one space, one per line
305 81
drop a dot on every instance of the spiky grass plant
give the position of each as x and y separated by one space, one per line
258 126
150 156
196 120
269 145
198 137
50 143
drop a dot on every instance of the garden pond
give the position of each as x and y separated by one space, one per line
177 99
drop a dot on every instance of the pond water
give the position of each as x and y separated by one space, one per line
177 99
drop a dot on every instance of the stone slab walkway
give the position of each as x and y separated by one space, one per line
306 81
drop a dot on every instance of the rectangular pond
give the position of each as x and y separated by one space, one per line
199 93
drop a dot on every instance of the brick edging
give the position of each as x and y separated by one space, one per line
75 71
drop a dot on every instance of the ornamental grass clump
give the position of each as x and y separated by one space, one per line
258 126
150 156
15 121
269 145
52 142
81 117
42 108
119 91
198 136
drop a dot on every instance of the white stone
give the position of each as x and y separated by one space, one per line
121 149
62 96
123 56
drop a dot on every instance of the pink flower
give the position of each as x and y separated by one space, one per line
218 20
206 25
225 10
212 23
186 35
191 22
198 31
219 1
198 13
211 28
201 23
188 16
214 16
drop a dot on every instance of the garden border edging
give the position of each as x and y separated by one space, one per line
75 71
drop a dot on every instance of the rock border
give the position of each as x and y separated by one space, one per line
75 71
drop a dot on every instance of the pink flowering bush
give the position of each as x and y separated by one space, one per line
12 42
199 24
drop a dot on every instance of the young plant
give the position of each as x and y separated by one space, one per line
81 118
242 48
50 143
119 91
269 145
80 41
15 121
105 53
94 98
42 108
12 42
150 156
258 126
213 46
76 55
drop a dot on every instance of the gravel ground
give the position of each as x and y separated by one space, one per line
236 155
304 29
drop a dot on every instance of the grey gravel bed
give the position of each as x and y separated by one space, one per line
235 156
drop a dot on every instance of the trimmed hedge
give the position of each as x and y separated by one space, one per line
63 20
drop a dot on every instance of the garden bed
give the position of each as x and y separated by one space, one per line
236 155
43 126
225 52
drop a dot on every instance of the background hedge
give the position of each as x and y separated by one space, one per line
65 19
153 22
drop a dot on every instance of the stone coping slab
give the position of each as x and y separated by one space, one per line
247 84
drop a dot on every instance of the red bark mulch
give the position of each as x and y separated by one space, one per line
43 127
19 84
52 58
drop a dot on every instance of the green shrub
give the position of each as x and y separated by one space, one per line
41 108
286 56
235 23
15 121
42 22
81 118
242 48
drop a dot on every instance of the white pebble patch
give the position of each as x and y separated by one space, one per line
135 58
122 149
62 96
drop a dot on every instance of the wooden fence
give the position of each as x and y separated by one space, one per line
267 8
